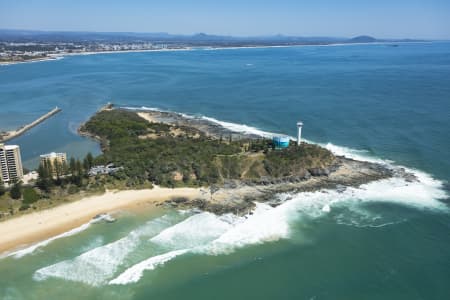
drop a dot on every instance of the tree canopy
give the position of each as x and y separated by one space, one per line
171 155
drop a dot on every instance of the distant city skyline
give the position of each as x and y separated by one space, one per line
383 19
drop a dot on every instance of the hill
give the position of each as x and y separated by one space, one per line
177 155
363 39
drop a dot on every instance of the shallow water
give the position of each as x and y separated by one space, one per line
388 239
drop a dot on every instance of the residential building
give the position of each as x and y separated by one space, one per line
104 170
10 163
52 159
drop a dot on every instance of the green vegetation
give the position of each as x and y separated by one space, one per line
30 195
294 159
181 156
156 153
164 159
61 180
61 174
16 191
2 188
56 183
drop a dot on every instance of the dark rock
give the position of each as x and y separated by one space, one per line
179 200
319 172
307 175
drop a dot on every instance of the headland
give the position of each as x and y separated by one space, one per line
258 171
172 160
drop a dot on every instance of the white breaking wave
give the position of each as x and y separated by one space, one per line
196 234
422 189
238 128
135 273
183 237
392 190
142 108
96 266
91 267
209 234
267 223
264 225
361 155
356 154
427 184
195 230
241 128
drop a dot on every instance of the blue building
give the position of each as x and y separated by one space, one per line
281 142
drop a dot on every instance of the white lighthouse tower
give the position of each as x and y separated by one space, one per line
299 134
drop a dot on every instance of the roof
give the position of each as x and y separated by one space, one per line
52 155
11 147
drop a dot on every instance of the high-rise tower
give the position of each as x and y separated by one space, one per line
10 163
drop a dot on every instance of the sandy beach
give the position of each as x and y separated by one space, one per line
37 226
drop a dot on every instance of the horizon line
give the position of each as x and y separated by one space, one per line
214 34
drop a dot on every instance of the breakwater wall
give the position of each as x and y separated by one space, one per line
8 135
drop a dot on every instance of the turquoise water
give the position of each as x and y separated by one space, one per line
386 240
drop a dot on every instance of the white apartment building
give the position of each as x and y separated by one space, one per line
10 163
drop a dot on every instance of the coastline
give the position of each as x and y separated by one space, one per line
238 196
7 63
234 196
37 226
53 57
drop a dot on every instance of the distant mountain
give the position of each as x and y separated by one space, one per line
8 35
363 39
199 39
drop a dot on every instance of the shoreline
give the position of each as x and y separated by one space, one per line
234 196
31 228
54 57
239 195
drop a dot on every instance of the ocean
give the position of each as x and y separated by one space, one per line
385 240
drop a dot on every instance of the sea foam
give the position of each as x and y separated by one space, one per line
95 266
141 108
273 223
135 273
208 234
357 154
195 230
240 128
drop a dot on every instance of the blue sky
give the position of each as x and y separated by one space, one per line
340 18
